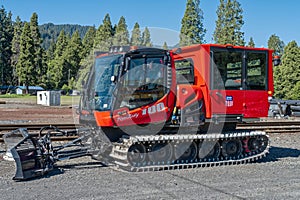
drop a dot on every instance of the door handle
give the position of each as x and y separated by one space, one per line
219 94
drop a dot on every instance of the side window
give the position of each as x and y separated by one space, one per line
256 71
185 71
227 70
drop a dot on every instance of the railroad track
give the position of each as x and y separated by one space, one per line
273 127
270 127
34 129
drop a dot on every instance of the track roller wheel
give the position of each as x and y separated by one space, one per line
263 142
253 144
136 154
231 148
209 150
161 153
258 144
185 151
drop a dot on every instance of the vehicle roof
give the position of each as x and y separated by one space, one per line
198 46
140 50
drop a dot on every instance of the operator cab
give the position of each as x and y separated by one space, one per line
123 87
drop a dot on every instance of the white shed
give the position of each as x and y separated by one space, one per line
48 98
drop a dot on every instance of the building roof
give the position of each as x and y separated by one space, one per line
30 87
5 87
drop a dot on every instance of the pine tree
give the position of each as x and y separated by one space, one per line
220 23
18 26
43 75
276 44
287 75
55 66
146 38
136 39
6 36
104 34
165 46
72 56
251 43
61 43
229 23
51 50
86 64
114 28
295 93
39 64
192 30
25 67
88 41
121 36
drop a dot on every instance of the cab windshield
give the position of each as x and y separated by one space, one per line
144 81
105 74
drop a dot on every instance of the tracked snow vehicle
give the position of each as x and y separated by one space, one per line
150 109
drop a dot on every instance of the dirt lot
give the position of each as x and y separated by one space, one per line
30 113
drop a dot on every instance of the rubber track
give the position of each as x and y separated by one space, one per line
120 151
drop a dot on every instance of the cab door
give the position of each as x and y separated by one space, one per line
227 81
256 84
142 96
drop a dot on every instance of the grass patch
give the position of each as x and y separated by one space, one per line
69 100
15 96
64 100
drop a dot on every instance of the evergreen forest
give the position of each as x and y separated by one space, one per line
57 57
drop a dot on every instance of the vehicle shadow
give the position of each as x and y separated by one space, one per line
62 168
85 165
276 153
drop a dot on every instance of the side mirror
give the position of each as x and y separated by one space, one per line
276 60
127 62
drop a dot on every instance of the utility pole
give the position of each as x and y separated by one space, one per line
1 75
69 76
1 65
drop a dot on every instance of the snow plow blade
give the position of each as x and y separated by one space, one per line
35 156
30 159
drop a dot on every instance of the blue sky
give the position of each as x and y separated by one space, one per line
262 17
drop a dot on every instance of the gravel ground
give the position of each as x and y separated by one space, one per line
275 177
14 113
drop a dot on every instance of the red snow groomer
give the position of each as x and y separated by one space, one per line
151 109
